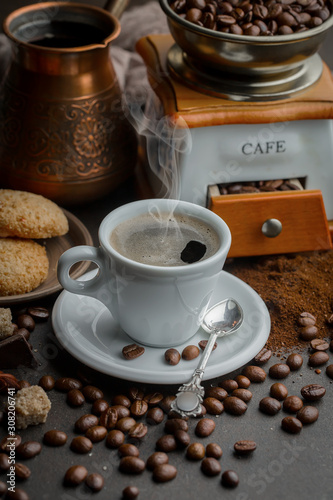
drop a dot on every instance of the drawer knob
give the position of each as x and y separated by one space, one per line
271 228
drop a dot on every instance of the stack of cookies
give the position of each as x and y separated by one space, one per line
25 217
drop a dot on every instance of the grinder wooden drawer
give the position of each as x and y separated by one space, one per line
301 213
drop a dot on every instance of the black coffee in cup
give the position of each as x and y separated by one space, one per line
164 240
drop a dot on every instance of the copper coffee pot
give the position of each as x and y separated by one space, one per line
63 129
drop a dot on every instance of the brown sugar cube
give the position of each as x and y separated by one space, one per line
32 406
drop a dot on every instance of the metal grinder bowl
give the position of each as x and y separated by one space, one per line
263 57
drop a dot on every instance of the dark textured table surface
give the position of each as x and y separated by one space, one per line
283 465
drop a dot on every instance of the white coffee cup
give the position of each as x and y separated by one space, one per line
155 305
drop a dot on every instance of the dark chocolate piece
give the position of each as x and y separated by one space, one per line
15 351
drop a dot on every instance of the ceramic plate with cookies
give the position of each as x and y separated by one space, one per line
34 232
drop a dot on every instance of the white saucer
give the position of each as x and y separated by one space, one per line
86 329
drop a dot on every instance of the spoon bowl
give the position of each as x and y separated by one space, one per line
223 318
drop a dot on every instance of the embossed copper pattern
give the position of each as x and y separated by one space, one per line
63 132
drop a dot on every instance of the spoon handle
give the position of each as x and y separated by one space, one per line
199 371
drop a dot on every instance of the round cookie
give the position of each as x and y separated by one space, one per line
29 215
23 266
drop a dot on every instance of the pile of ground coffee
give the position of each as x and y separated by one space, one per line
290 284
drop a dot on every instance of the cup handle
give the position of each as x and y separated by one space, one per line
95 287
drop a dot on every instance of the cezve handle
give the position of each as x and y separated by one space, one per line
116 7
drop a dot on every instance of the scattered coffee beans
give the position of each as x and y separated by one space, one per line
210 466
172 356
115 438
18 494
154 416
279 371
270 406
96 433
234 405
38 314
230 479
55 438
292 425
4 462
244 447
92 393
263 356
125 424
85 422
8 440
243 382
175 424
202 344
139 408
195 451
294 361
135 393
132 465
329 371
308 414
65 384
75 398
254 373
319 345
153 399
216 392
128 450
47 382
318 358
132 351
26 321
313 392
213 406
228 385
81 444
94 481
99 406
306 319
122 400
28 449
166 443
137 432
242 394
292 404
183 438
214 450
130 492
190 352
205 427
157 458
109 418
122 411
75 475
164 472
278 391
22 472
308 333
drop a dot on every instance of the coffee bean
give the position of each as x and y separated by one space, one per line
139 408
202 344
22 472
244 447
279 371
75 398
138 431
24 332
292 404
130 492
94 481
92 393
329 371
157 458
216 392
318 358
128 450
122 411
12 441
166 402
38 314
26 321
85 422
308 414
125 424
75 475
65 384
29 449
172 356
17 494
204 427
23 383
243 382
270 406
309 332
109 418
154 416
254 373
183 438
230 479
234 406
3 488
132 465
55 438
228 385
115 438
166 443
278 391
190 352
47 382
263 356
96 433
214 450
132 351
153 399
164 472
195 451
242 394
135 393
213 406
313 392
319 345
294 361
122 400
305 318
99 406
81 444
4 462
210 466
292 425
174 424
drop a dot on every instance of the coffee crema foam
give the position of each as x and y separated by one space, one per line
160 240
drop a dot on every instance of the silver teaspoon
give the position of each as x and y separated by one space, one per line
221 320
